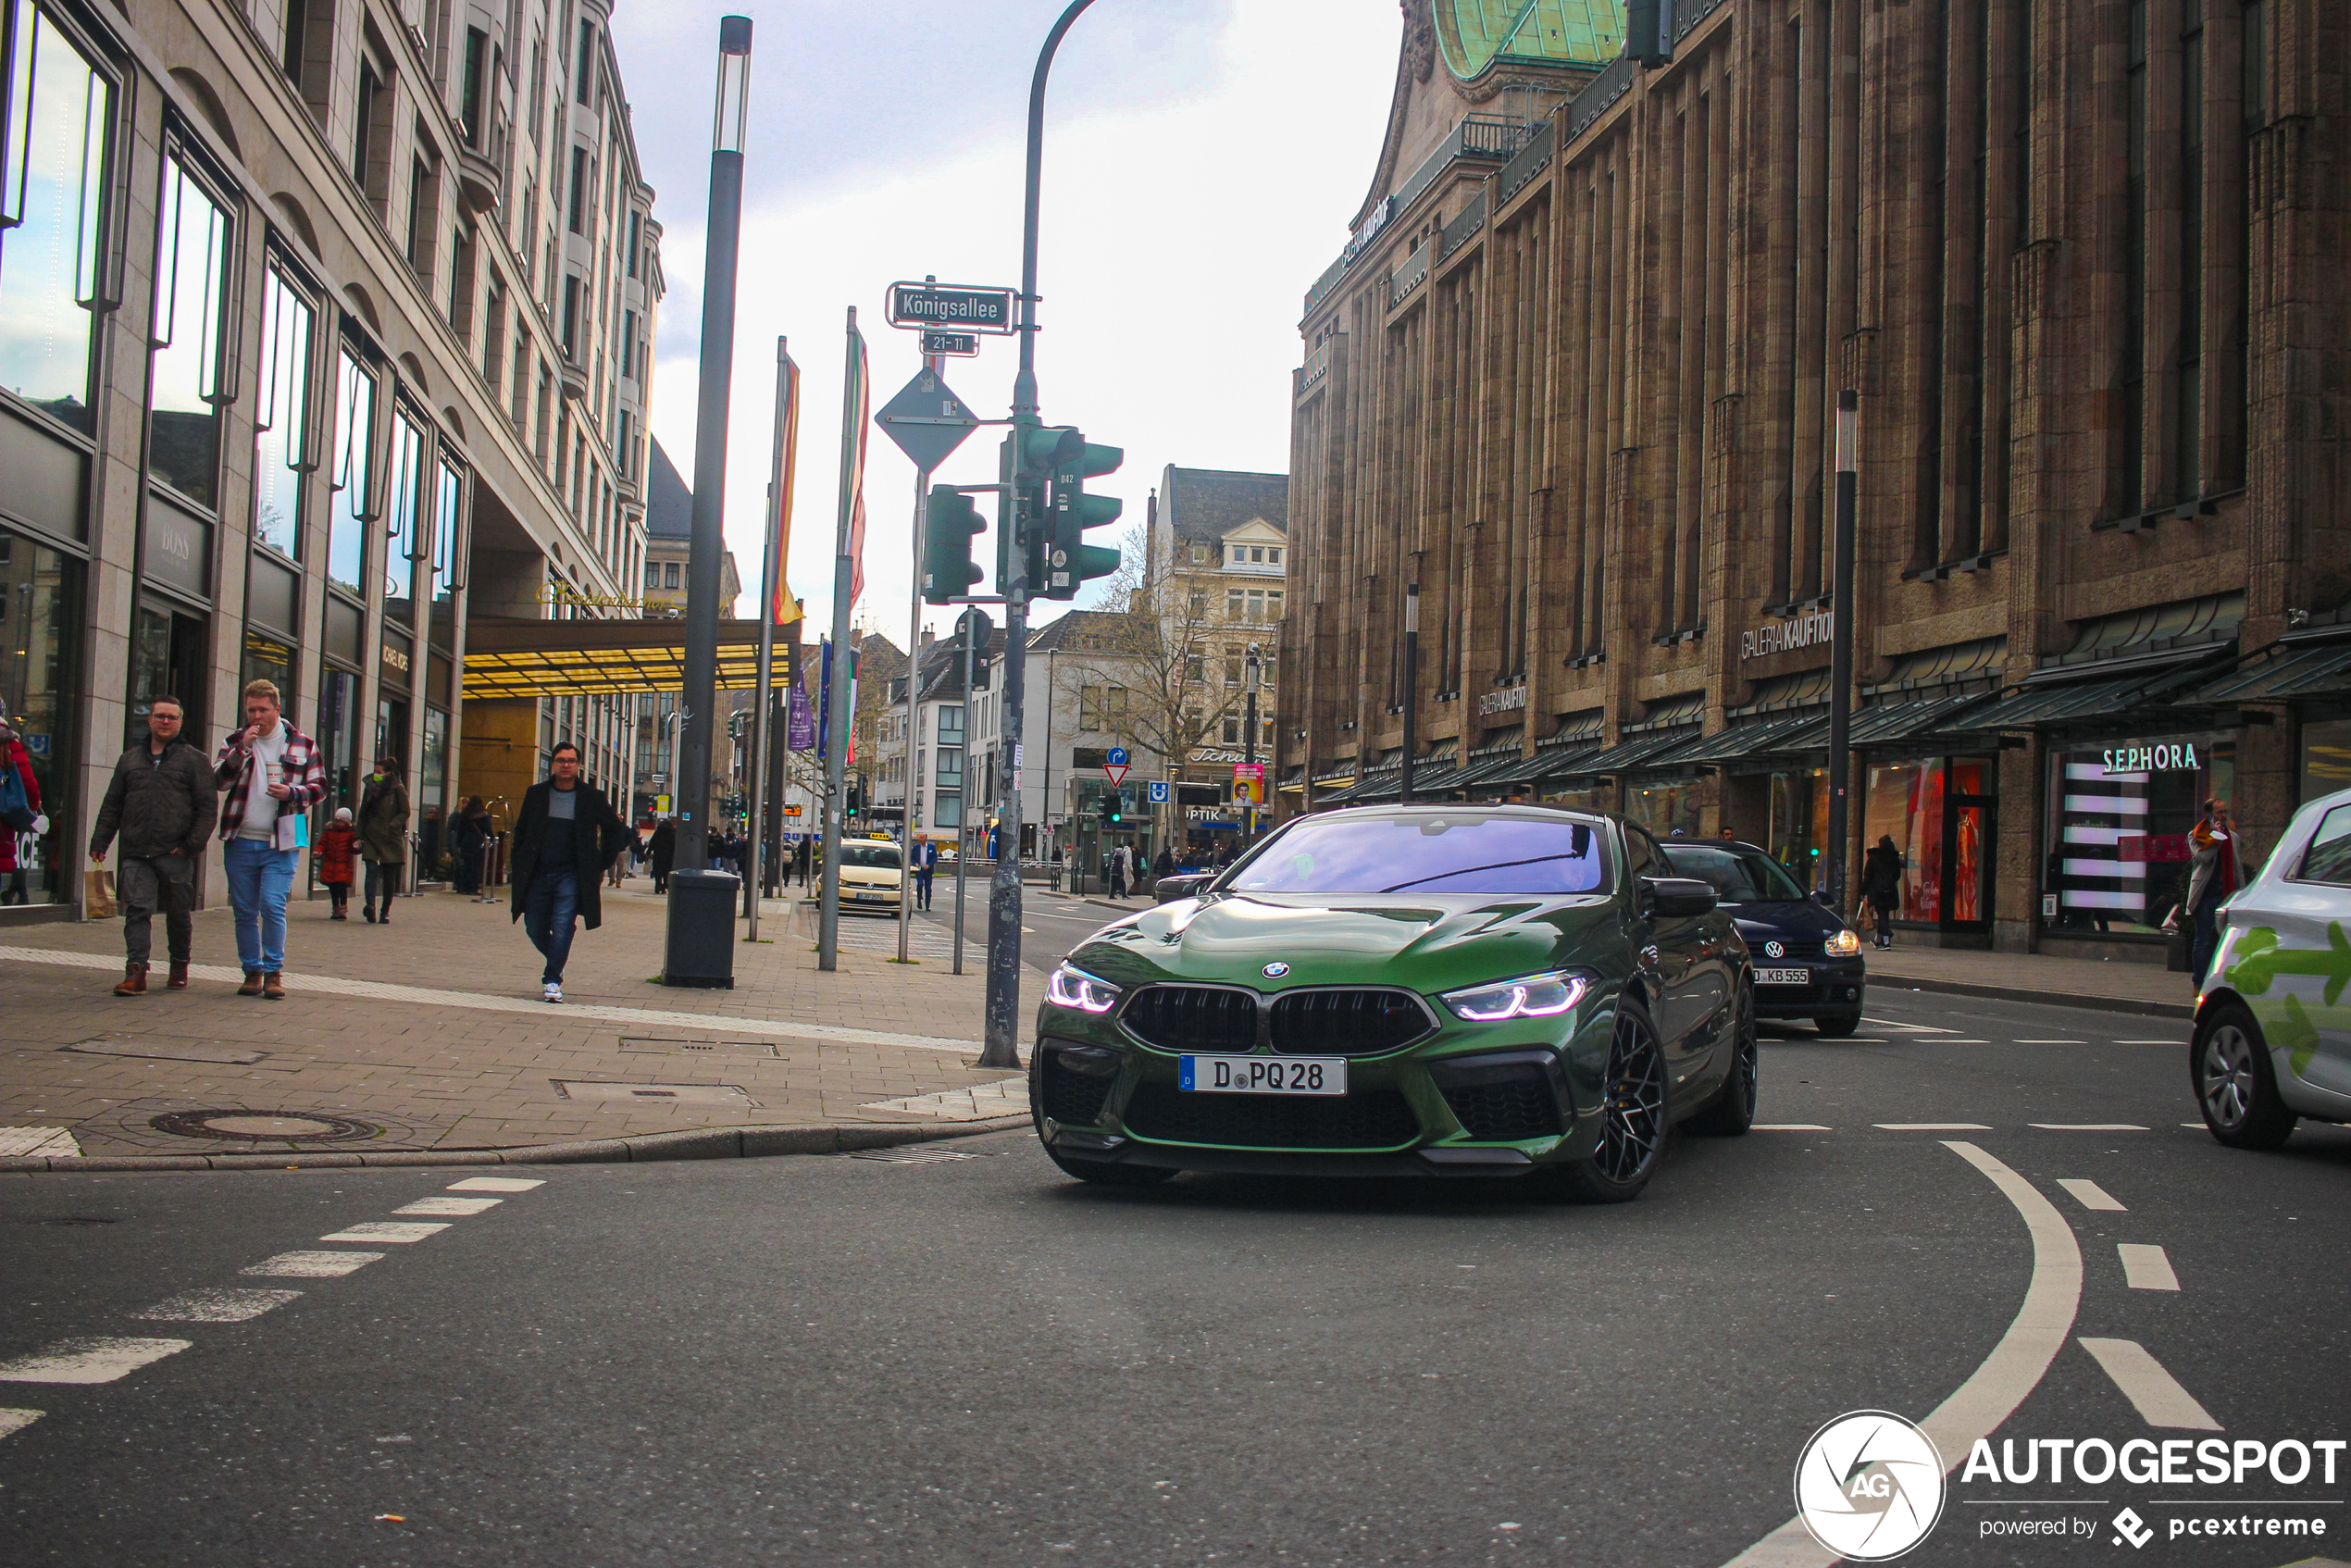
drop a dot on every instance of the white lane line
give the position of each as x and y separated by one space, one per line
2145 1267
494 1183
15 1421
448 1205
2088 1127
384 1230
1931 1126
312 1265
1962 1043
222 1305
1996 1388
2050 1042
94 1358
2090 1195
1911 1028
2150 1042
1790 1126
2157 1394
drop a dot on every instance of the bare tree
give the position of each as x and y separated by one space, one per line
1153 673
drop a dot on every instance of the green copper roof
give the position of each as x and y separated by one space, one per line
1475 33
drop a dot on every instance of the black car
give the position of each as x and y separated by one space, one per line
1808 961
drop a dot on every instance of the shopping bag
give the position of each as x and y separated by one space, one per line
97 894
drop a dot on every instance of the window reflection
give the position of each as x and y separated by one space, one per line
192 261
355 476
281 440
51 214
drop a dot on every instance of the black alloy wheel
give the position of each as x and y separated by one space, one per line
1632 1116
1733 1111
2235 1086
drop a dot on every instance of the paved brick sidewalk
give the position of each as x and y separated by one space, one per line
429 1032
2144 988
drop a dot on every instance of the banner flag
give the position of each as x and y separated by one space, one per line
785 609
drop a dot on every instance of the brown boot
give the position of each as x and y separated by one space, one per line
179 980
253 984
134 980
273 987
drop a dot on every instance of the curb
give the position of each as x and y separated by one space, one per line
2182 1010
699 1143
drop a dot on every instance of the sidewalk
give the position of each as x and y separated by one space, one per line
428 1036
2145 989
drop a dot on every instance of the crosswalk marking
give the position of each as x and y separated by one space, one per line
2090 1195
449 1206
2146 1268
385 1230
312 1265
15 1421
494 1183
2156 1394
92 1359
226 1305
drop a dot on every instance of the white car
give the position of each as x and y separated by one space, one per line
2273 1023
871 874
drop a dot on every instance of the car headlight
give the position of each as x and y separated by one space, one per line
1844 944
1066 987
1533 996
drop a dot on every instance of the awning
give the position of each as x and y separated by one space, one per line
1769 735
1636 750
2114 697
510 657
1888 724
2287 668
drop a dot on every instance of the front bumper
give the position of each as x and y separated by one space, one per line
1839 986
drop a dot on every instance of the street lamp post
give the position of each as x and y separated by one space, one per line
1411 689
1248 748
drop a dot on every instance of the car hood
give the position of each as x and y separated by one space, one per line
1429 942
1789 922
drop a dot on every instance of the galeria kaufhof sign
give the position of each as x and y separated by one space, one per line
1808 631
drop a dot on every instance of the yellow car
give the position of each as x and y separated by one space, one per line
871 874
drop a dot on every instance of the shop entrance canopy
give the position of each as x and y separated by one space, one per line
509 657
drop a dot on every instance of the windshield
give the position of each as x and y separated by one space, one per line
878 857
1452 853
1739 875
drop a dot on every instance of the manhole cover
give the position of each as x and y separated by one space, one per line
275 1126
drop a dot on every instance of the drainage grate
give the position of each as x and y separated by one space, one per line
911 1154
654 1094
645 1046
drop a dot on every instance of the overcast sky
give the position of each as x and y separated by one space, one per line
1202 160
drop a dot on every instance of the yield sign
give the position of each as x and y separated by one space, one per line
1118 771
926 420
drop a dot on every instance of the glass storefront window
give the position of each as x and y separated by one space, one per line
1664 808
40 623
449 504
51 215
191 288
271 660
432 788
2326 758
2117 860
354 480
1945 844
404 514
281 438
338 691
1574 800
1800 823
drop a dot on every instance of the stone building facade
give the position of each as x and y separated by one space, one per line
324 331
2084 262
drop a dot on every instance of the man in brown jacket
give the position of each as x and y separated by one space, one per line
162 801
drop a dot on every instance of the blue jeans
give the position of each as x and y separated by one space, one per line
549 908
260 879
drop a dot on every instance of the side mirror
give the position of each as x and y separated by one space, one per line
1170 889
1677 897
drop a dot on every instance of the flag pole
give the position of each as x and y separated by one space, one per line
836 720
770 583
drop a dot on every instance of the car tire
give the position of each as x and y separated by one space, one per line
2235 1086
1732 1111
1633 1117
1837 1026
1101 1173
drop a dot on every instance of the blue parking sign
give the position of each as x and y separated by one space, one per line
1159 791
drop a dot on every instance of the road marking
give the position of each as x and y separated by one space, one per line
2161 1400
2150 1042
312 1265
384 1230
1962 1043
2145 1267
2088 1127
1931 1126
227 1305
96 1359
1996 1388
1911 1028
1790 1126
2050 1042
494 1184
15 1421
2090 1195
1005 1097
448 1205
2199 1126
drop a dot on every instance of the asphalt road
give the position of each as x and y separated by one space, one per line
848 1360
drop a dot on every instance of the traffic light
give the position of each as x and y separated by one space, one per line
1024 465
1072 561
856 797
1113 809
949 524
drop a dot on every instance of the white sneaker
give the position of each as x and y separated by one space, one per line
552 993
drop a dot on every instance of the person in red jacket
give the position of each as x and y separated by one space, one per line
337 845
14 758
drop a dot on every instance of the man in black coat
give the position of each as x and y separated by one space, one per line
163 802
564 835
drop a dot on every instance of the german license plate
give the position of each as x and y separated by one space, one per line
1263 1075
1783 977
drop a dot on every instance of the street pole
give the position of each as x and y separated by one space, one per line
1248 752
1001 1047
771 565
1841 648
964 793
837 686
936 364
1411 688
709 543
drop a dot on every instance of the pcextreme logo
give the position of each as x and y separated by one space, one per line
1868 1486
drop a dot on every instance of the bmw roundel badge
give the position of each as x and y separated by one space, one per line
1275 971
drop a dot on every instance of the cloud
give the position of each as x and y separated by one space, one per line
1180 228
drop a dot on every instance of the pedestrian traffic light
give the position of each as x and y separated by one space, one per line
1071 560
949 523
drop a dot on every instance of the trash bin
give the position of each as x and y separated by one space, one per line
701 949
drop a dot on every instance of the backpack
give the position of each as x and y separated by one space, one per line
16 809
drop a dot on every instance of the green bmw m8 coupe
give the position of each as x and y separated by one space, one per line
1434 991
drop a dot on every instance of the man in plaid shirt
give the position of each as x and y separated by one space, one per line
272 774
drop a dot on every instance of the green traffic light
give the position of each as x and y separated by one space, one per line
1073 561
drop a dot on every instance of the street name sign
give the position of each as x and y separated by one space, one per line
963 345
947 304
926 420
